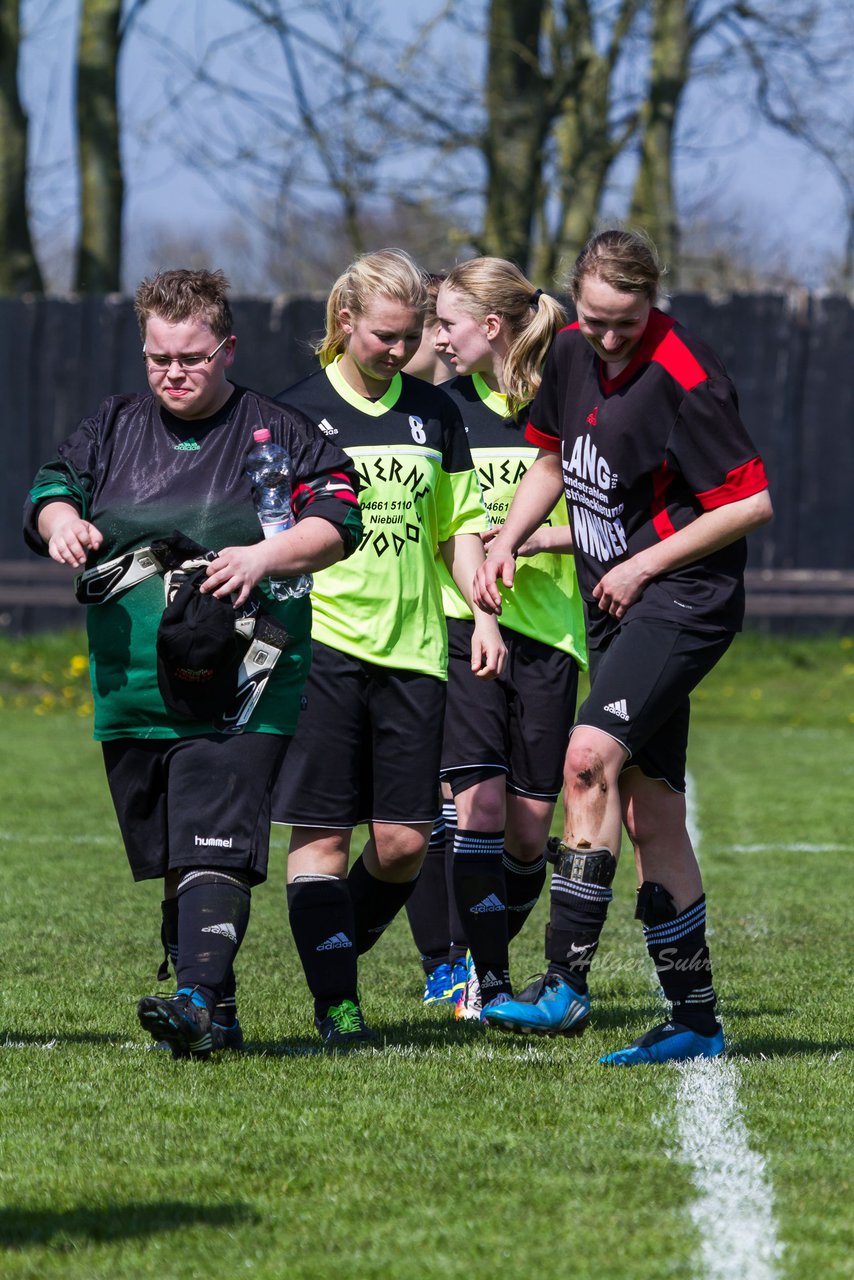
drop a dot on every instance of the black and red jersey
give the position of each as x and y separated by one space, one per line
644 454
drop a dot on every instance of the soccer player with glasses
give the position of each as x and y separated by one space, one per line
192 799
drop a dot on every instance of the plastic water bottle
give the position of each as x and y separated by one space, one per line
268 466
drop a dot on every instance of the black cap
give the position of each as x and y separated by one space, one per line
198 654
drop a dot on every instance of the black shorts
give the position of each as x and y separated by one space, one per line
194 802
640 681
367 746
517 724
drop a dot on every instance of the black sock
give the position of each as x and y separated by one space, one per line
213 912
580 896
427 907
225 1013
456 929
169 937
375 903
482 901
321 917
681 957
524 882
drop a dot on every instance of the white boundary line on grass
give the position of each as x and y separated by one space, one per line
734 1208
798 847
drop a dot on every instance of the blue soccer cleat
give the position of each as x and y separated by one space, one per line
668 1042
438 985
459 974
551 1007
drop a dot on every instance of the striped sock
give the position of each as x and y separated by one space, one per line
681 957
481 895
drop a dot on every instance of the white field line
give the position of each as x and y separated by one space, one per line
801 847
733 1211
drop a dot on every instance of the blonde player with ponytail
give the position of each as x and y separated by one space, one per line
504 743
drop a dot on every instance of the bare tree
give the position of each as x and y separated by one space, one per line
19 269
598 118
322 121
99 151
520 110
653 203
326 125
786 60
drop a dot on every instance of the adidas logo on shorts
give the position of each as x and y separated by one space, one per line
617 708
338 942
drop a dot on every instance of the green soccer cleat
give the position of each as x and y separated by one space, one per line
344 1028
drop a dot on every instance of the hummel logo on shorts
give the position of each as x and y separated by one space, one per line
224 930
337 942
490 903
617 708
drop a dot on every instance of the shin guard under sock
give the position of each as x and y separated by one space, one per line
427 906
321 918
676 942
524 882
481 896
580 896
375 903
213 912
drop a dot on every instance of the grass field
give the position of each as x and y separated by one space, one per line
449 1152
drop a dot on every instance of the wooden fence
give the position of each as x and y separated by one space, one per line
790 357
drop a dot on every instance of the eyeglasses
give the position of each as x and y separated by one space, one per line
184 362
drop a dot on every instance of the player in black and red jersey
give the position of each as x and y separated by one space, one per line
638 422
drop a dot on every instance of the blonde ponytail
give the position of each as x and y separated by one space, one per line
495 286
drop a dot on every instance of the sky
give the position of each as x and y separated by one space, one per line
781 199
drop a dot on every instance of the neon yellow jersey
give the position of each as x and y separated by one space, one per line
418 489
544 602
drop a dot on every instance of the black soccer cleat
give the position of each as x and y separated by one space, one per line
344 1028
182 1021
